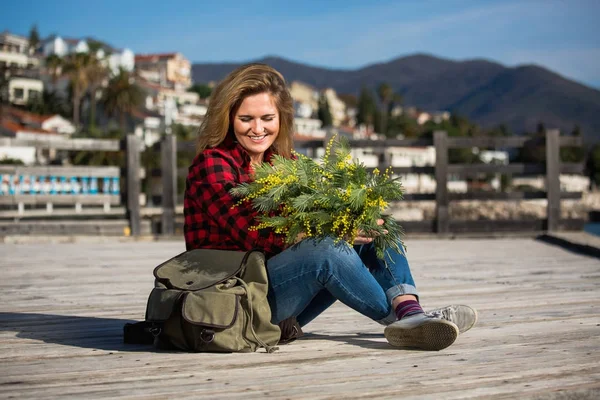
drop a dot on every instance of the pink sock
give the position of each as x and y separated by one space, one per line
408 308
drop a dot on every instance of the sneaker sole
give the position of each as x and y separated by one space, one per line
434 335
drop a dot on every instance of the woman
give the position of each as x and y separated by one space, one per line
250 118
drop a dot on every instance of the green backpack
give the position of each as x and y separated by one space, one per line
214 301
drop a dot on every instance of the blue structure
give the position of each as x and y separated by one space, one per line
85 186
115 187
93 185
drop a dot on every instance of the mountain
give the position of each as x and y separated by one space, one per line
486 92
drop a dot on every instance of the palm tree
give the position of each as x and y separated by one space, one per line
96 74
122 95
54 66
76 68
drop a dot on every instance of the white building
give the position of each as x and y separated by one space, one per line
22 89
305 94
147 127
114 58
20 124
124 59
310 127
158 97
303 110
14 52
337 107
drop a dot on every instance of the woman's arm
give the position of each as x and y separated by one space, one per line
209 182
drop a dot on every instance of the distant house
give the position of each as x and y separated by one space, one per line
30 122
162 99
23 89
15 52
147 126
24 125
306 95
19 68
114 58
423 117
309 127
337 107
171 70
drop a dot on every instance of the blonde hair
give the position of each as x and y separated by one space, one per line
227 97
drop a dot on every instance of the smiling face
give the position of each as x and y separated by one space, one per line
256 124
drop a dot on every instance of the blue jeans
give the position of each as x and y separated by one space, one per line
307 278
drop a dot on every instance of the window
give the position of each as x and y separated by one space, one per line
19 93
33 94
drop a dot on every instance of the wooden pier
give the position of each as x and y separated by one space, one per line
63 305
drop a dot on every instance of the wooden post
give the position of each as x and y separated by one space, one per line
168 150
553 179
133 147
440 141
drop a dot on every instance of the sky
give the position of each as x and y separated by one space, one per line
561 35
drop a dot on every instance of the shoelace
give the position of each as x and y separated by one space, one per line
441 314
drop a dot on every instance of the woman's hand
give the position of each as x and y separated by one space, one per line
361 239
301 236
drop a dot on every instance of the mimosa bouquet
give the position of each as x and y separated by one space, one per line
335 197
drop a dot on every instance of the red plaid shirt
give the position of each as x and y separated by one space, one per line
211 221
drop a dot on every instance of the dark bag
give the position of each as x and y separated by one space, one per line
212 300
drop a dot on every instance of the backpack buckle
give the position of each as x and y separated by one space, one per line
207 335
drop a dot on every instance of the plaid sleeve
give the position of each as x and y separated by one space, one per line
208 186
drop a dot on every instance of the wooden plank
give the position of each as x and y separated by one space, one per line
510 195
76 171
63 213
494 226
64 144
428 169
169 183
509 141
418 196
60 199
440 138
101 227
60 330
553 178
133 184
460 227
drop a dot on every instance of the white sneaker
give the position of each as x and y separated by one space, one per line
421 331
463 316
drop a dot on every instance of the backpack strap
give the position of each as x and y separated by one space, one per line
269 349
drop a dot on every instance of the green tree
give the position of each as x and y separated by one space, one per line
98 158
121 96
404 125
572 154
54 66
10 161
203 90
324 112
76 67
182 132
48 103
34 39
97 72
386 95
366 108
593 165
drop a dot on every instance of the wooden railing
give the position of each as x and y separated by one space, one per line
171 193
73 187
